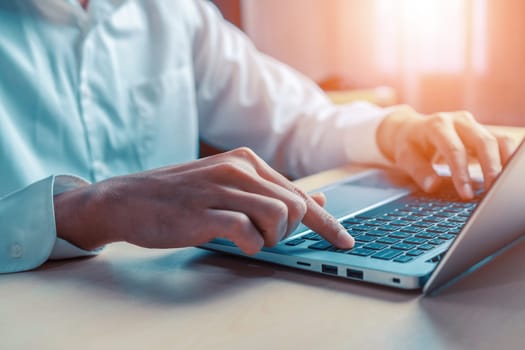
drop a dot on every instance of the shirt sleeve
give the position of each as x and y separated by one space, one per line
28 232
246 98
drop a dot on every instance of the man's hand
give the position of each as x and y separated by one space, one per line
413 141
234 195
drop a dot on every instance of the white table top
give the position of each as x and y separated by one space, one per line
133 298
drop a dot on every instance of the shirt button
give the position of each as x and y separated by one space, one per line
16 251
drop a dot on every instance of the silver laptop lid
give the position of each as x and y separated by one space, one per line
498 220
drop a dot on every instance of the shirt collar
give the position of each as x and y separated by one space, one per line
64 11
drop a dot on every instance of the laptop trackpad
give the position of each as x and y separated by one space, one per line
347 198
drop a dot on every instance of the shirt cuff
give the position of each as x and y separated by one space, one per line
63 249
348 134
360 141
27 232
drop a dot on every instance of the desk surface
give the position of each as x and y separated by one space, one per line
133 298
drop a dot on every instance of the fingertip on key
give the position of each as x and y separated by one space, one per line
345 240
467 191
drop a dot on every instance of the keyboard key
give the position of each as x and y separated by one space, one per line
415 240
321 245
337 250
432 219
394 214
361 251
399 235
444 214
402 246
295 242
436 229
388 228
387 254
457 219
422 224
312 236
365 238
387 240
375 246
446 236
400 223
378 233
415 252
446 224
350 222
428 235
436 241
455 224
454 231
426 246
403 259
355 233
373 223
411 229
359 227
363 217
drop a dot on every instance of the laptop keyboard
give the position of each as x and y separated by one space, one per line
402 230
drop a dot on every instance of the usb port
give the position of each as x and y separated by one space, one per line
332 270
356 274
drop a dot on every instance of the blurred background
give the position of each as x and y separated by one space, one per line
435 55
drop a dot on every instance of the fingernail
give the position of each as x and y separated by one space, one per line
467 191
428 183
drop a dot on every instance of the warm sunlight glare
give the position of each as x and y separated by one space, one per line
431 35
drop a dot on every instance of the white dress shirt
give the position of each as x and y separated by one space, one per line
132 85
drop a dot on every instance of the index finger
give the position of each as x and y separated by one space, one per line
450 146
316 217
320 221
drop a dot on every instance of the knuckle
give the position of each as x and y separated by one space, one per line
245 153
239 223
466 116
298 210
299 193
231 169
437 122
278 211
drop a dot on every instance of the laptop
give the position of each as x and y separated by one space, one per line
405 238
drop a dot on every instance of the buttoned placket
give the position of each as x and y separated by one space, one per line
85 96
87 24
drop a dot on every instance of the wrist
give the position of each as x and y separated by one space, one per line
393 126
78 219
